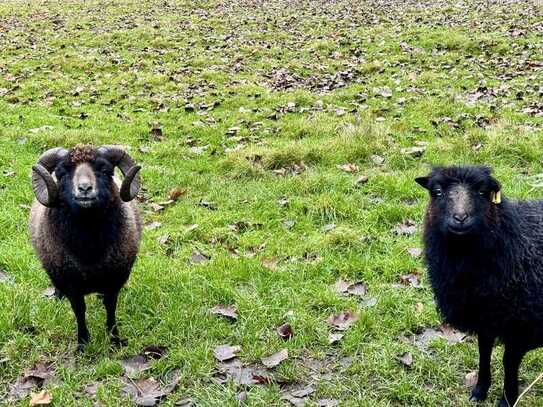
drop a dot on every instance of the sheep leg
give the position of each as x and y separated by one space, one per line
480 391
512 358
110 303
78 306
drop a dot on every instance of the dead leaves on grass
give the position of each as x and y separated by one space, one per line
149 392
32 379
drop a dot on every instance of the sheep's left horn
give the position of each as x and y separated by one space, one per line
119 157
44 186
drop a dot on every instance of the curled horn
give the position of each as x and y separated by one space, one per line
44 186
119 157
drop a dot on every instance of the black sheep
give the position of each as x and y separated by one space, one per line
85 226
485 261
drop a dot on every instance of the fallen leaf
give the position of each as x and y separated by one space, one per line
285 331
328 227
377 159
369 302
327 403
41 399
361 180
49 292
414 251
414 151
348 167
407 227
297 397
283 201
5 277
411 279
162 240
233 370
149 392
270 262
419 307
275 359
343 320
227 311
226 352
212 206
153 225
35 377
405 358
134 365
335 337
176 193
198 257
359 289
470 380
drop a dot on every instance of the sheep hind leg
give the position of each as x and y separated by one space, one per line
480 391
512 358
78 306
110 303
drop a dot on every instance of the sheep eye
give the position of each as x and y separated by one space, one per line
438 192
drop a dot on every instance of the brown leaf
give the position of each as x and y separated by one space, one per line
156 207
176 193
156 132
407 227
416 151
241 375
419 307
162 240
405 358
270 262
334 337
227 311
134 365
41 399
275 359
411 279
377 159
49 292
226 352
297 396
198 257
149 392
361 180
343 320
358 288
348 167
36 377
470 380
285 331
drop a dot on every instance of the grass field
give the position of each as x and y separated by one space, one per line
293 131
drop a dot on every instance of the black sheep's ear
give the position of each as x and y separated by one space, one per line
423 181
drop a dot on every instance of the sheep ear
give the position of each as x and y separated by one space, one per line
423 181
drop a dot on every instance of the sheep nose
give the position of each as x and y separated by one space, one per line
84 187
460 217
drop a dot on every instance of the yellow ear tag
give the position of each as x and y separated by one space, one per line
496 197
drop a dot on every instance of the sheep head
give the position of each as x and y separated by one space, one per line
83 175
463 200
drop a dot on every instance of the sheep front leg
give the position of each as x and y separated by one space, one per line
512 358
110 303
78 306
480 391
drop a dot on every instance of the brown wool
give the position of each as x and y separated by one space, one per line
82 153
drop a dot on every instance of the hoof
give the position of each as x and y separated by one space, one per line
504 403
478 394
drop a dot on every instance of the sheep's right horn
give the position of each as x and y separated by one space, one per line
119 157
43 184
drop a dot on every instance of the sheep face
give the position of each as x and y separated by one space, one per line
84 177
85 185
461 199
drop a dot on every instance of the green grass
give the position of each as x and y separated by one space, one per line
107 72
